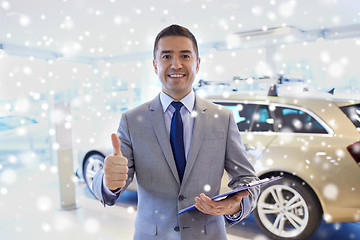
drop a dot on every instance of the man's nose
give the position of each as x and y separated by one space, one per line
176 63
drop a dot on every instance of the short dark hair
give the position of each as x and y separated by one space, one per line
176 30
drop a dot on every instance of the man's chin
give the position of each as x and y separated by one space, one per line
177 92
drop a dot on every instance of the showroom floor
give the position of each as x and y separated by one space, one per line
29 207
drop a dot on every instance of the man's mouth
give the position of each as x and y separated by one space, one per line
176 75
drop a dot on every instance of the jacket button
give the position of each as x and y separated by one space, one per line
177 228
181 197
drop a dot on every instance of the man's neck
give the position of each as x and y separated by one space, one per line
177 97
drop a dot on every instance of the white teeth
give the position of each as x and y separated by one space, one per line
176 75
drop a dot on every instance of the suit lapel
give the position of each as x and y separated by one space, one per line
197 135
158 123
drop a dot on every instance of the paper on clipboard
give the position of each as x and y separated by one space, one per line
244 187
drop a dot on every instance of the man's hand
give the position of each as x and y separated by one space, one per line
227 206
115 167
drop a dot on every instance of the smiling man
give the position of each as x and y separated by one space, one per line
178 145
176 62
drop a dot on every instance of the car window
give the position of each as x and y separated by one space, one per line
11 122
262 120
353 113
295 120
242 114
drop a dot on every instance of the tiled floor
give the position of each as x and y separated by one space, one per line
29 209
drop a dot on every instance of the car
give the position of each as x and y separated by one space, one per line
312 141
23 134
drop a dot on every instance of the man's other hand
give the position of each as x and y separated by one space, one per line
227 206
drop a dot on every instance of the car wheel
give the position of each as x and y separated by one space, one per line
287 209
92 165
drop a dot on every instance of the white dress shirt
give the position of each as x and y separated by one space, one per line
186 115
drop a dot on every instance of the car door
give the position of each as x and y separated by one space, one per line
256 124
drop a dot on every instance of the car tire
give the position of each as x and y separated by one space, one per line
288 209
92 164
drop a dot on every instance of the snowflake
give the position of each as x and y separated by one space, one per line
42 167
91 226
5 5
207 188
62 223
337 226
336 70
325 57
8 176
271 16
56 146
194 114
24 21
269 162
44 203
286 9
54 169
330 191
257 11
130 209
46 227
340 153
260 237
3 191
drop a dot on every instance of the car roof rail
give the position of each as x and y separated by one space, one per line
269 84
204 83
273 91
283 80
254 78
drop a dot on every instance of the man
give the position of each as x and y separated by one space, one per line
178 145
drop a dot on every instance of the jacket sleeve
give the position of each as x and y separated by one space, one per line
101 192
239 168
105 195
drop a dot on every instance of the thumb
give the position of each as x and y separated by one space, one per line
242 194
116 144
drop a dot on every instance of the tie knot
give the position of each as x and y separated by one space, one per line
177 105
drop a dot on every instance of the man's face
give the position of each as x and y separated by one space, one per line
176 65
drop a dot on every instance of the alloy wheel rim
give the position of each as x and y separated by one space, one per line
94 165
283 211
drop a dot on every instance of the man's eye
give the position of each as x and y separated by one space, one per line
186 56
166 56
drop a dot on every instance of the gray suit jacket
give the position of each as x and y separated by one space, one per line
216 145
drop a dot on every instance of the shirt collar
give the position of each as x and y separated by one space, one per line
188 101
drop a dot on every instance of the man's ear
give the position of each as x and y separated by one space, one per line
197 65
155 67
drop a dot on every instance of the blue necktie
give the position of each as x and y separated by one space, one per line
177 139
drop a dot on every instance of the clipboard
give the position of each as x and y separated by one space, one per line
243 187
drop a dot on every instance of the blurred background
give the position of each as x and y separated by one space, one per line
96 58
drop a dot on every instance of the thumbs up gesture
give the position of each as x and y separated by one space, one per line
115 166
